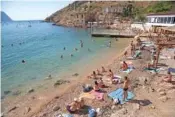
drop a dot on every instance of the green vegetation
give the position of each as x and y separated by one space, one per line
161 6
139 13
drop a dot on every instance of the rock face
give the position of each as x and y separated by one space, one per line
5 17
79 13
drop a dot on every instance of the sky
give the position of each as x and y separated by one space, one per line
33 9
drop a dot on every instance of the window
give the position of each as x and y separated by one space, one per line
173 20
152 19
165 20
169 20
161 19
158 20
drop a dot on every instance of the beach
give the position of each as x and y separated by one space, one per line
148 100
38 88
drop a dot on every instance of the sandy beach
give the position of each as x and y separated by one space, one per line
152 98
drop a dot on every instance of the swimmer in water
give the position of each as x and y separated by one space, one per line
75 49
11 44
71 55
64 48
61 57
89 50
23 61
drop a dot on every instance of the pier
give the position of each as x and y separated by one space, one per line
112 33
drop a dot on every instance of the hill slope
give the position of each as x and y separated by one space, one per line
79 13
5 17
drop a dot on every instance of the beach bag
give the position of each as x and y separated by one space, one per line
92 113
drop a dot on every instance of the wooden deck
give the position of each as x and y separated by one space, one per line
112 33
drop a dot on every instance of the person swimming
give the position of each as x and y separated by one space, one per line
23 61
61 57
64 48
81 43
89 50
71 55
11 44
75 49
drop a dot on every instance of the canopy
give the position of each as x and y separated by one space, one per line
170 28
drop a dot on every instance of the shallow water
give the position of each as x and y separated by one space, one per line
41 46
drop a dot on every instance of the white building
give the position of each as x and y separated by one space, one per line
156 20
161 20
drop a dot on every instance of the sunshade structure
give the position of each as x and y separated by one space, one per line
167 42
168 30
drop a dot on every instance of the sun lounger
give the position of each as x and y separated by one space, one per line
171 70
118 94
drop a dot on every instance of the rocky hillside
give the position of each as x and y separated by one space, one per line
79 13
5 17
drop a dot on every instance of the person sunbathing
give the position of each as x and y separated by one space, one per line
111 74
73 107
101 84
168 78
124 66
96 87
103 69
81 102
93 75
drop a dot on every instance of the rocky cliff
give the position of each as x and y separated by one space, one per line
79 13
5 17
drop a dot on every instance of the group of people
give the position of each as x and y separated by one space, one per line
76 105
76 49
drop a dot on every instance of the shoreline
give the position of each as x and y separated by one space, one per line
73 81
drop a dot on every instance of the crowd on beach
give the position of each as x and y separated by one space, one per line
100 81
98 75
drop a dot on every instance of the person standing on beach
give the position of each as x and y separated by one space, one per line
125 88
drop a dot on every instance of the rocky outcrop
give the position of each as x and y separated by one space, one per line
5 17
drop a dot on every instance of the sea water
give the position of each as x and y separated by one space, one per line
41 45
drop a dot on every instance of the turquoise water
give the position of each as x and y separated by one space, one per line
41 46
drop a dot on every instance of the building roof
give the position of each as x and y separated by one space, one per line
161 14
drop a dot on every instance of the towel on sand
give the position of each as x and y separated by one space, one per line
93 95
154 70
128 70
171 70
118 94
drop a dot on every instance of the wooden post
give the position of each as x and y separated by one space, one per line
157 56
